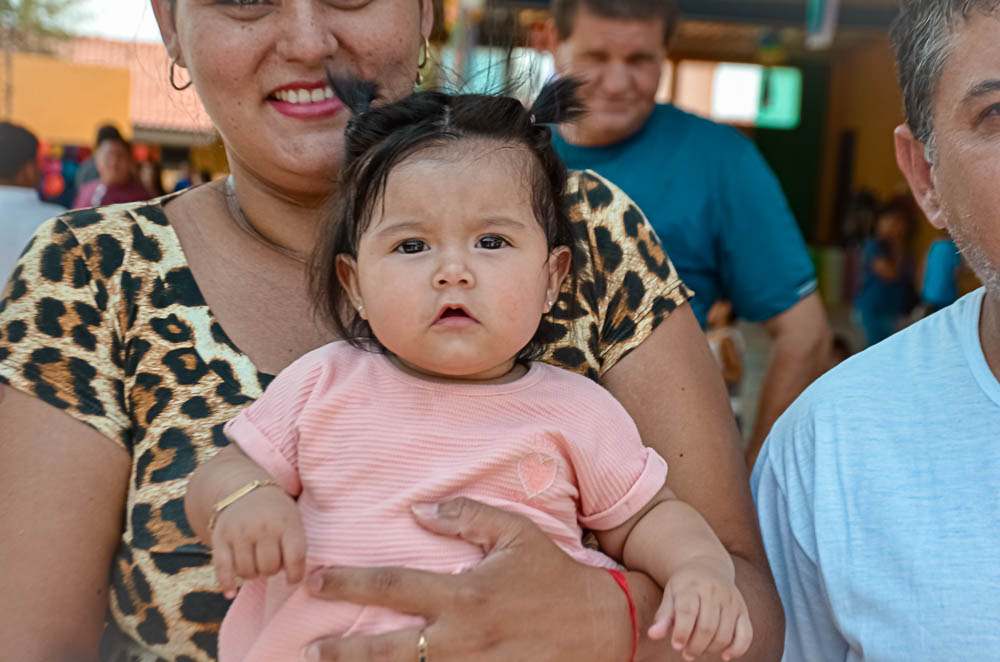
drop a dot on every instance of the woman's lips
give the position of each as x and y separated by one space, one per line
326 107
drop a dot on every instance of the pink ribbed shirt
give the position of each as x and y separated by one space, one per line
358 442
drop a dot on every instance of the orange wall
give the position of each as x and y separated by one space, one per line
864 98
65 103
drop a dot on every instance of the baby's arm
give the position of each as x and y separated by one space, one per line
258 534
673 544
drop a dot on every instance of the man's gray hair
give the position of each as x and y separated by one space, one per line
922 37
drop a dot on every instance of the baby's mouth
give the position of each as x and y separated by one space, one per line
454 312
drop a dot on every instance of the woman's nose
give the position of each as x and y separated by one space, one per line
306 32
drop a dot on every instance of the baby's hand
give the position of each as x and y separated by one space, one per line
706 610
257 536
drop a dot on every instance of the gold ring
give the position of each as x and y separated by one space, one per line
422 648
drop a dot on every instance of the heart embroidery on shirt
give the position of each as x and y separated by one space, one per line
537 473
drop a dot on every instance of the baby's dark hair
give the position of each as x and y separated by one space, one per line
379 138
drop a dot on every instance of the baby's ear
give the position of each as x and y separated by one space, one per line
347 273
559 263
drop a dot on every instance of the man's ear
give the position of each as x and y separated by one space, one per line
165 19
548 38
347 273
911 156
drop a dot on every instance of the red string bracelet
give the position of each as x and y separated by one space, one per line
619 577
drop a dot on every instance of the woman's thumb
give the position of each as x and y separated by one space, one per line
488 527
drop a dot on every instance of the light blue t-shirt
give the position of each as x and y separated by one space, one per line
717 207
878 494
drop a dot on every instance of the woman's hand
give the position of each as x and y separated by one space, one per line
527 600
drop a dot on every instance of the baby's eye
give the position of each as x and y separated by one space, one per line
492 243
411 246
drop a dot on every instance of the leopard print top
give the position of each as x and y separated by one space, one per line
103 320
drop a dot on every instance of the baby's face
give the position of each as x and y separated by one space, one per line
455 276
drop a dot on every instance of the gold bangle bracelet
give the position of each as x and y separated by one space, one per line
236 496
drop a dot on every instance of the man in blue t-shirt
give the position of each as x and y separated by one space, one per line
878 490
713 201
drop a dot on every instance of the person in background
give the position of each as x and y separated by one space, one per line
151 176
940 283
842 349
728 345
21 211
887 272
183 176
87 172
710 197
117 182
878 490
203 176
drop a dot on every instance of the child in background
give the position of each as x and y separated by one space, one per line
448 250
728 345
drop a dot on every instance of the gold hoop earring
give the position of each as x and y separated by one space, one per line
173 82
422 60
425 53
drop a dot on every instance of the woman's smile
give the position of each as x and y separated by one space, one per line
305 100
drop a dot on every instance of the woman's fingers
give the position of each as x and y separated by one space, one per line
474 522
401 589
415 591
399 646
527 600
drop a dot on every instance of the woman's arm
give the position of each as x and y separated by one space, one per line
672 387
62 495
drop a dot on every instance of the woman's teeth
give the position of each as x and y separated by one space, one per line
305 96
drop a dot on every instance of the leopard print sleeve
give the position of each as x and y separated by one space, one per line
56 341
626 284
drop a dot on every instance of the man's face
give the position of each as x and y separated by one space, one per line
965 195
620 62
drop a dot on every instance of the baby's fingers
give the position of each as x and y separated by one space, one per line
293 553
267 554
741 639
727 629
705 629
664 616
245 560
225 572
686 608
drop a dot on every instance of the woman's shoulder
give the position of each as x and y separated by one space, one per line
99 242
606 217
114 219
625 284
